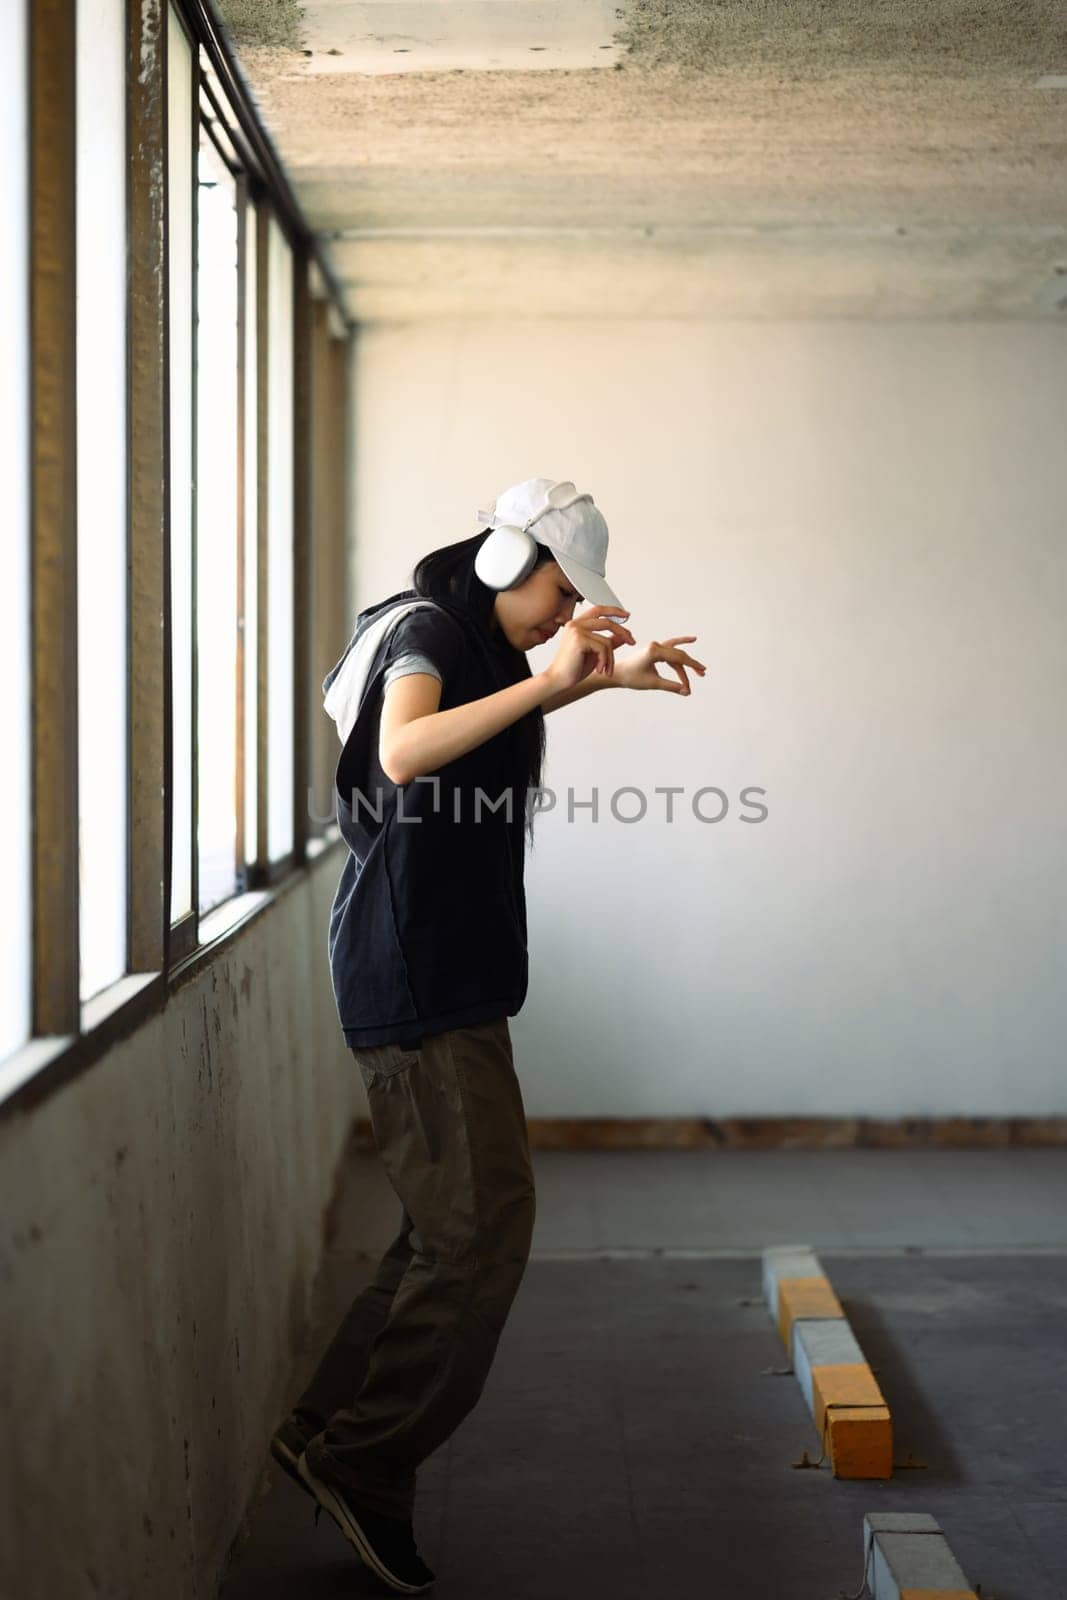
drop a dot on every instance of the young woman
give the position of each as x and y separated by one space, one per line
442 726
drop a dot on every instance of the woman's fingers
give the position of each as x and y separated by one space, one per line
683 655
584 650
677 660
594 627
599 649
604 648
618 632
598 617
674 656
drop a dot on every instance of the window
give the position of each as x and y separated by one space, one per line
180 257
279 542
217 457
16 915
101 490
249 539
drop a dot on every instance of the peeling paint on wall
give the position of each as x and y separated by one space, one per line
272 23
826 36
391 37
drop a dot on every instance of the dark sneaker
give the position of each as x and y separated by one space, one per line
384 1544
287 1445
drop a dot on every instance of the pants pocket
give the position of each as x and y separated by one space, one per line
381 1061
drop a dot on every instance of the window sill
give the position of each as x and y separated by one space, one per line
216 924
102 1006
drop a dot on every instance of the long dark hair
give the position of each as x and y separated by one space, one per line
448 576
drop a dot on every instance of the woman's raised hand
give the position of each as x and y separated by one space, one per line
638 671
587 644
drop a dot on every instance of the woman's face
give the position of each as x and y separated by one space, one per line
533 611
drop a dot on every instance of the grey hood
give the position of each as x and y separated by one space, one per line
345 685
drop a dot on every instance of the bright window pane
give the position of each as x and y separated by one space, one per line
180 267
251 541
216 526
280 542
101 364
15 903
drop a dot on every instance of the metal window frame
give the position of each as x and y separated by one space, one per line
148 495
326 514
56 1005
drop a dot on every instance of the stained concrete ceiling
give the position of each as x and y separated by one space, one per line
674 158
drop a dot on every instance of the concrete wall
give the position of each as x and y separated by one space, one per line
163 1222
864 526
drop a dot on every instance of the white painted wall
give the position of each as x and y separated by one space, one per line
864 525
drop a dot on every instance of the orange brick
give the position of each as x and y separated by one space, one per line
860 1441
938 1594
804 1297
852 1385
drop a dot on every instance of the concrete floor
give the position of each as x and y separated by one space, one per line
634 1436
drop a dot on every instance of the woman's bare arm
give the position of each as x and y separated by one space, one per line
577 691
415 738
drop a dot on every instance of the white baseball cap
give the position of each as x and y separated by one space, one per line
568 523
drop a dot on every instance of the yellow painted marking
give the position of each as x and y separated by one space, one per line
860 1441
938 1594
804 1297
850 1385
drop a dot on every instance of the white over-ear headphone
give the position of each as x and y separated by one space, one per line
510 553
506 557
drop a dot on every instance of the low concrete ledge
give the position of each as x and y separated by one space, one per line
791 1133
853 1421
907 1557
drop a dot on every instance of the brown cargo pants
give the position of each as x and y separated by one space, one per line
411 1356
